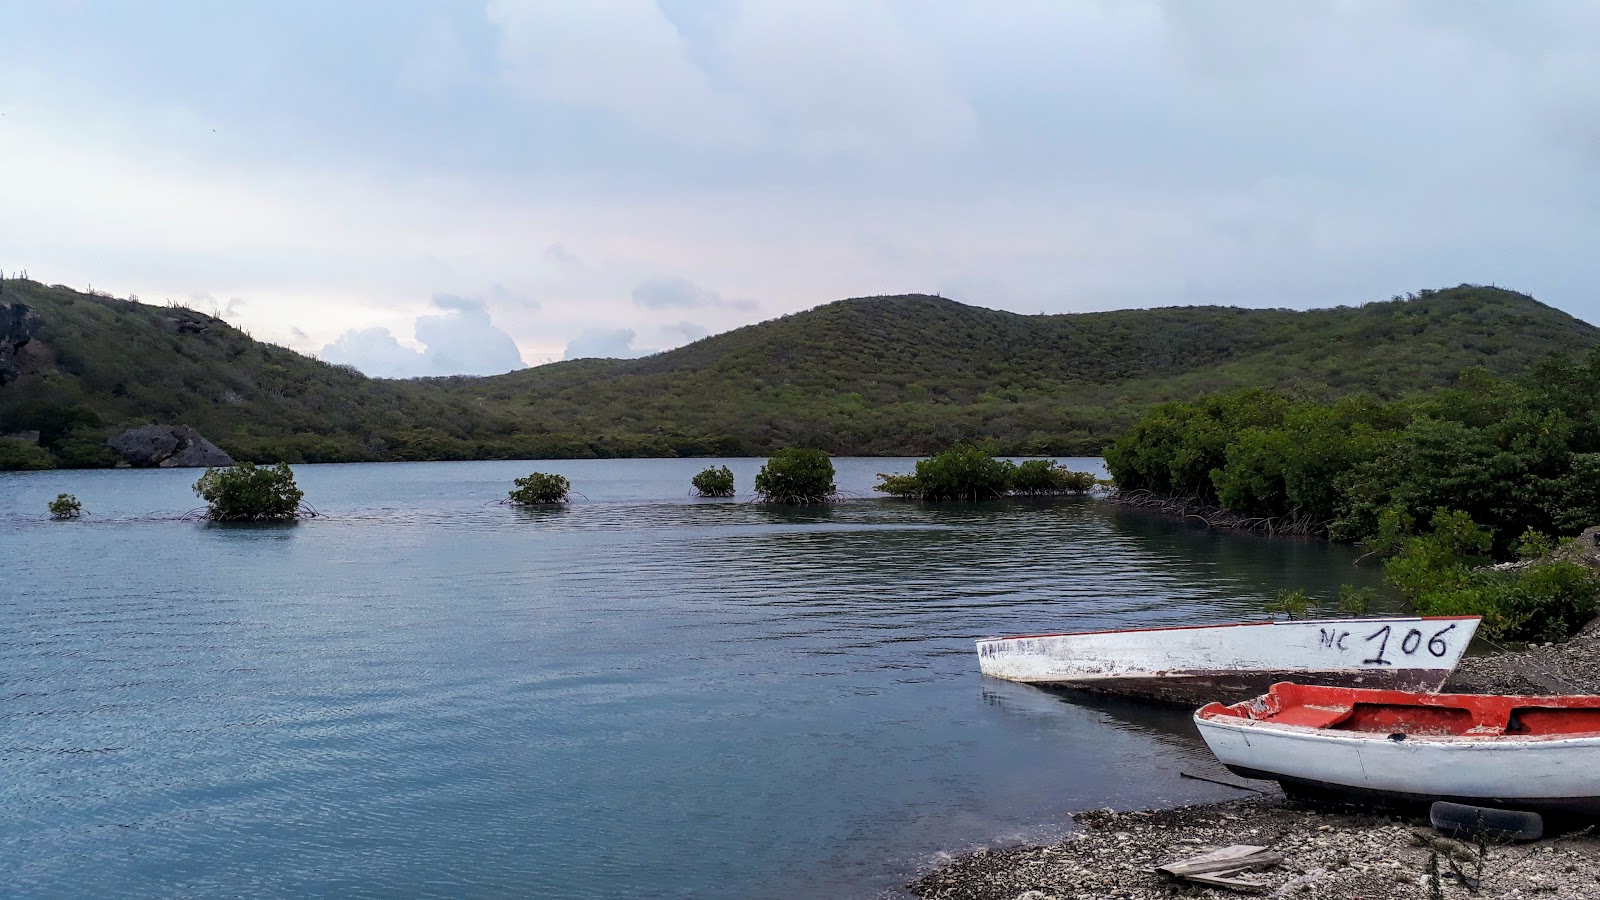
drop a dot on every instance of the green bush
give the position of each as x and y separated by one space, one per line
539 489
17 456
908 486
714 481
1046 476
1442 573
967 473
65 506
963 473
84 451
1547 601
249 493
796 475
1293 604
1354 601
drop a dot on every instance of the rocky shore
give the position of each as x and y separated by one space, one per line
1326 854
1570 667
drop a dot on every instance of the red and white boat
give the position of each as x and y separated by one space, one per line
1540 754
1196 663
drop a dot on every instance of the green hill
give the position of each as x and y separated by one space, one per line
95 364
877 375
915 373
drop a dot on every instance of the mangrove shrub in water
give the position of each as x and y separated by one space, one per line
796 475
249 493
967 473
539 489
65 506
1046 476
963 473
714 481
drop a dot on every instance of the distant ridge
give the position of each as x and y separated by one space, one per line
871 375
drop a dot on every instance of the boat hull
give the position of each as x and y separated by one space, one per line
1407 758
1232 662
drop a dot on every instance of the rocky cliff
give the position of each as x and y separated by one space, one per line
156 446
17 326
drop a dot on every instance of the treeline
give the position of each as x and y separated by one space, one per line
1513 454
1441 484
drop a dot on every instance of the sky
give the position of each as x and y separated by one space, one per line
420 188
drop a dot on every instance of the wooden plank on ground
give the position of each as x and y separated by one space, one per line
1218 868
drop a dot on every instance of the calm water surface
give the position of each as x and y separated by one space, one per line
640 695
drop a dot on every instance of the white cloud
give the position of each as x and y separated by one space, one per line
605 343
671 291
688 331
461 341
621 57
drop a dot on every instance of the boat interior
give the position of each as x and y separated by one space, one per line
1398 714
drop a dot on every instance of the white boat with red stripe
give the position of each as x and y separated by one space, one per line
1200 663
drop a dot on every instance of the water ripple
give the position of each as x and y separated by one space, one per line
423 693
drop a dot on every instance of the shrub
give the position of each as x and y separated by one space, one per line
18 455
1293 604
963 473
714 481
1442 574
249 493
65 506
1547 601
538 489
967 473
1354 602
908 486
1046 476
796 475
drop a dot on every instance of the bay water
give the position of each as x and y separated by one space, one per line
642 694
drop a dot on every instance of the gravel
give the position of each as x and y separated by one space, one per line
1326 855
1571 667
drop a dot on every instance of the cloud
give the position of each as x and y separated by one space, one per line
375 352
688 330
462 341
452 303
560 255
605 343
621 57
804 78
1034 155
673 292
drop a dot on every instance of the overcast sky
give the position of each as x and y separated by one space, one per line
427 187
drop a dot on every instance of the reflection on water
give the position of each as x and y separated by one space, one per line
426 693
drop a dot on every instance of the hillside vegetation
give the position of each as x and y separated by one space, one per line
916 374
880 375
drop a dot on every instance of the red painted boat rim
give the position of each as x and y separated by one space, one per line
1489 717
1021 637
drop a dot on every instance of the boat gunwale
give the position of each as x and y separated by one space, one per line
1321 735
1487 710
1020 637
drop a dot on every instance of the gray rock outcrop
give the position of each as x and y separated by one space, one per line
17 325
157 446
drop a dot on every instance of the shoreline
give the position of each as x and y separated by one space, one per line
1327 854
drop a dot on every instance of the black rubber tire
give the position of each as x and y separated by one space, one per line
1462 821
